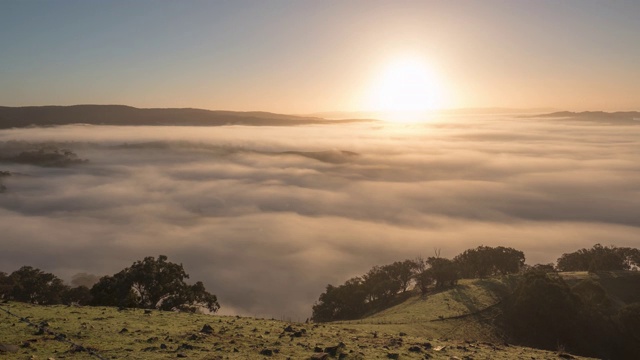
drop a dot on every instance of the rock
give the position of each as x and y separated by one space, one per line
427 345
319 356
266 352
317 349
415 349
333 350
163 346
207 329
393 356
124 330
185 346
77 348
6 348
289 329
403 334
181 355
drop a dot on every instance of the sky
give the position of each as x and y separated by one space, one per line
304 57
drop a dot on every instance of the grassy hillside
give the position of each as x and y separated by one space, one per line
164 335
462 312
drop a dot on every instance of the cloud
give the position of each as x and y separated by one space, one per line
266 217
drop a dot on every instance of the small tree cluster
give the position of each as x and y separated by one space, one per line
153 284
35 286
382 285
600 258
486 261
150 284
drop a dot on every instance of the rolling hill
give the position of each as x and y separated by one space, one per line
16 117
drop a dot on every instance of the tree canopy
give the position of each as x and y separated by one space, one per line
32 285
486 261
153 284
600 258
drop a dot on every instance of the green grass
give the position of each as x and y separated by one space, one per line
467 337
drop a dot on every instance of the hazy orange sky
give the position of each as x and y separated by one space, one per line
314 56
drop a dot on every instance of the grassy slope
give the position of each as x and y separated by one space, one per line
449 313
100 328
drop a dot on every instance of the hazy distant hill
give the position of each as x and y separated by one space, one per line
125 115
616 118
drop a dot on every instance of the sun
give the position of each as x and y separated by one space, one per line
405 90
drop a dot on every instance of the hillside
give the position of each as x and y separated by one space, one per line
467 310
12 117
462 312
136 334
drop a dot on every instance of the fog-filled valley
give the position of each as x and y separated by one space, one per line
267 216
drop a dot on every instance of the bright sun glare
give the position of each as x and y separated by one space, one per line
405 91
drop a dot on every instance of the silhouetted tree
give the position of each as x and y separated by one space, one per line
379 285
444 272
153 284
32 285
486 261
543 311
422 275
593 295
402 273
547 268
629 320
599 258
80 295
344 302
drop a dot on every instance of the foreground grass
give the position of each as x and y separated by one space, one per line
164 335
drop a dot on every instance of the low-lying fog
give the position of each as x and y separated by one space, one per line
267 216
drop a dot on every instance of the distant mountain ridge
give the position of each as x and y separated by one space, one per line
618 117
122 115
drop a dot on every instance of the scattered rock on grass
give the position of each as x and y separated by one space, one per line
207 329
333 350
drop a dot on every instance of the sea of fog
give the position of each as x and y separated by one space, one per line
266 217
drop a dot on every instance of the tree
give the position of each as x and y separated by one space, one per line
401 273
344 302
599 258
153 284
32 285
486 261
543 311
547 268
80 295
593 295
379 285
422 275
443 271
629 320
